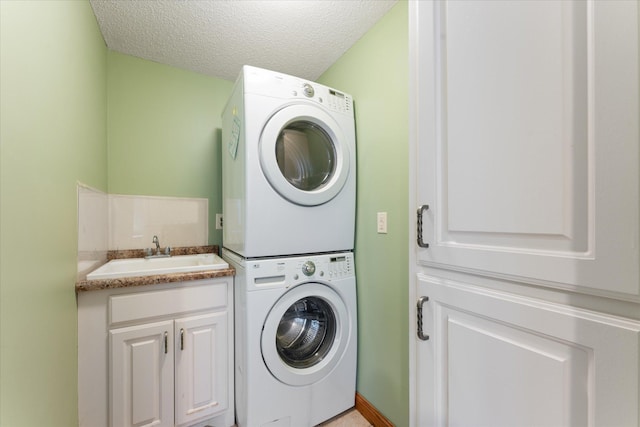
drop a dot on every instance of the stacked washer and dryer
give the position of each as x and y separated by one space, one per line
289 179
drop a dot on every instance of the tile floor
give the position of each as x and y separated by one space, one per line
350 418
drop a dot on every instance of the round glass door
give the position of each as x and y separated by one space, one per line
305 334
304 155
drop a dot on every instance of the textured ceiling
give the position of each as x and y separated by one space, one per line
216 37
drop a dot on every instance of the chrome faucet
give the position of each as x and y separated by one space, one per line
158 254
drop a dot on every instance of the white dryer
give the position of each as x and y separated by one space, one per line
296 339
288 167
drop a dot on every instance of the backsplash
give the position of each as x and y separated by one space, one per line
134 220
93 229
120 222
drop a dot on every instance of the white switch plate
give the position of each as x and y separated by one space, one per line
382 222
218 221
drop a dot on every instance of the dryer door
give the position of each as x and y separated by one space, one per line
304 154
305 334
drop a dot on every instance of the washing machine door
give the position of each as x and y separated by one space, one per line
304 154
305 334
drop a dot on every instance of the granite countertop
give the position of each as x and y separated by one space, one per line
124 282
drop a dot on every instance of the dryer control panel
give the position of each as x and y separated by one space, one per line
339 101
273 84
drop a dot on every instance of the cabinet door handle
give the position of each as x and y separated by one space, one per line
421 210
421 334
181 339
166 342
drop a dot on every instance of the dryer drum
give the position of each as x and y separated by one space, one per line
306 155
306 332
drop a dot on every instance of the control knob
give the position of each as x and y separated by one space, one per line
308 91
308 268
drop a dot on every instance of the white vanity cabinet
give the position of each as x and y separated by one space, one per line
157 355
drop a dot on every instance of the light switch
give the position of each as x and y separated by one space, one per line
382 223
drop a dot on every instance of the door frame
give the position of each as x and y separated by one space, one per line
414 67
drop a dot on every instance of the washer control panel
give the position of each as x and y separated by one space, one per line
340 266
267 273
325 267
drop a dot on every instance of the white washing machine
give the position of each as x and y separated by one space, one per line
296 339
288 167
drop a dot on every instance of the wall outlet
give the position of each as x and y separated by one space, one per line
218 221
382 223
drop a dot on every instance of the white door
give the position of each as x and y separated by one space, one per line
525 170
141 375
201 366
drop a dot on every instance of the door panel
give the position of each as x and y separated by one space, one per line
141 375
495 359
201 366
527 135
505 358
511 108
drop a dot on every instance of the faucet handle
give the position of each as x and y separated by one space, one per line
167 250
148 252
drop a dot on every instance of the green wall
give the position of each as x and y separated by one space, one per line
63 94
53 134
164 132
375 71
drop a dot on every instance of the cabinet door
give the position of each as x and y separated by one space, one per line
141 389
527 142
496 359
201 367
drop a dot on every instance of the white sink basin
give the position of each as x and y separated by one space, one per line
136 267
